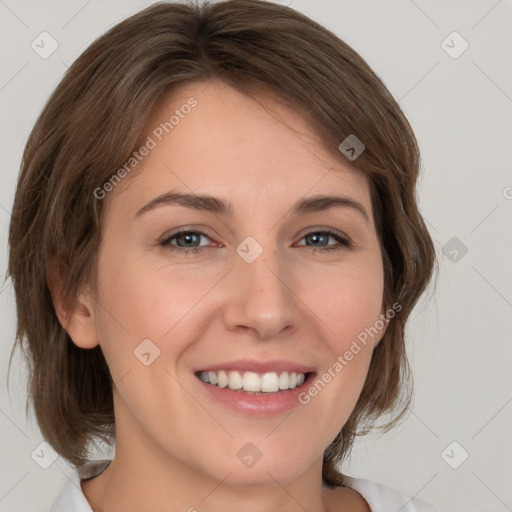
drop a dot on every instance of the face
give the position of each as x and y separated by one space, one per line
265 281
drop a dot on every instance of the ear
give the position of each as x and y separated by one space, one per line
77 319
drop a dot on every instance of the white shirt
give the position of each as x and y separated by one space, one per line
379 498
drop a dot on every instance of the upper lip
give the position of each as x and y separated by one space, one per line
252 365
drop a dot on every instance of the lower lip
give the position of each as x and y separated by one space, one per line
263 405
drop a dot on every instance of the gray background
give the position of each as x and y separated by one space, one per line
459 335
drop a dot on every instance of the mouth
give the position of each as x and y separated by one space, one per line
255 383
255 388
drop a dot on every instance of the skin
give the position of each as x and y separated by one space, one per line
175 447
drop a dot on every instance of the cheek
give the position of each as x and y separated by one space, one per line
138 296
142 300
349 303
349 308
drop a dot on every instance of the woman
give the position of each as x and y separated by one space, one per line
215 246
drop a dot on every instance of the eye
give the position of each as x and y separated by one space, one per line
323 236
183 238
188 240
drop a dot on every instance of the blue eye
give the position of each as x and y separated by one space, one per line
193 237
186 237
343 242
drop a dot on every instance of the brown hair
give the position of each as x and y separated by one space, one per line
91 125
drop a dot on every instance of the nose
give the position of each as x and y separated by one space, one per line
261 297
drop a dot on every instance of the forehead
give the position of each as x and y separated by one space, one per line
252 148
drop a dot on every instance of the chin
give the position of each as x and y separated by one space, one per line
261 473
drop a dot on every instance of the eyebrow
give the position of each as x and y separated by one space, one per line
218 206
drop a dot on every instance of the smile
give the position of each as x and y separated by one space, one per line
270 382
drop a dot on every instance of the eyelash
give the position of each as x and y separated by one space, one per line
343 242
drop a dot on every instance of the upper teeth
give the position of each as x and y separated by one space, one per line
251 381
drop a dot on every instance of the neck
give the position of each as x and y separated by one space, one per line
143 476
136 483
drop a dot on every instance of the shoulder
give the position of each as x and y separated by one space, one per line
386 499
71 498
